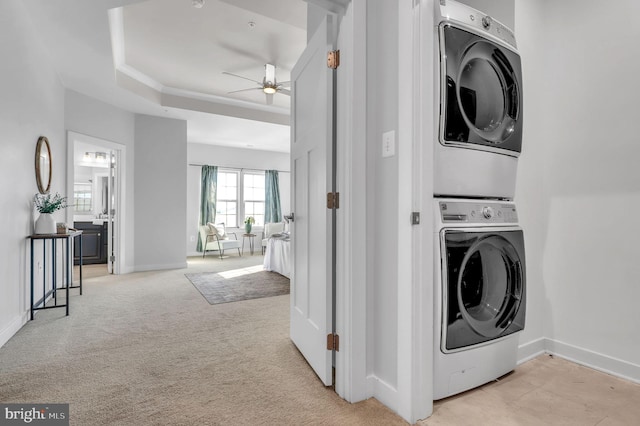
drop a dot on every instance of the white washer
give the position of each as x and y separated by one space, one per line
480 111
480 293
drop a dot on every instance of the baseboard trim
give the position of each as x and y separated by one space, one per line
607 364
383 392
126 270
12 328
160 267
532 349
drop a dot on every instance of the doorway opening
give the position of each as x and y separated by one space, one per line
95 188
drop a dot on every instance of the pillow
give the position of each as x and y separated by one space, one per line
217 229
273 228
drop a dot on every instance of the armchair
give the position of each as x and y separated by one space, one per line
214 237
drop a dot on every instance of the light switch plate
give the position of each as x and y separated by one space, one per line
389 143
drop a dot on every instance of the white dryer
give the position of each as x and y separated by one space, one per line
480 112
480 293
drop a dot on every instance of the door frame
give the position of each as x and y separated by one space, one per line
417 108
119 224
414 396
351 180
350 309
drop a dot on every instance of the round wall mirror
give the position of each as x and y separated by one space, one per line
43 165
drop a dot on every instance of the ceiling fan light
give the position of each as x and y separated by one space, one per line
269 90
197 3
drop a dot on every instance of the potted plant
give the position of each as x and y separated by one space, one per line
46 205
247 224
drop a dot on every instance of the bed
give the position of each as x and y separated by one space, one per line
277 256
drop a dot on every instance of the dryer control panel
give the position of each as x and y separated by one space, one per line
477 212
474 18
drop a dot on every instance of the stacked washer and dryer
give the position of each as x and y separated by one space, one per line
480 286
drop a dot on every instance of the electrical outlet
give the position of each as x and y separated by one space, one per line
39 266
389 143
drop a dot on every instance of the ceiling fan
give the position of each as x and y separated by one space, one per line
269 85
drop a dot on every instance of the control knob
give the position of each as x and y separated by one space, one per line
487 212
486 22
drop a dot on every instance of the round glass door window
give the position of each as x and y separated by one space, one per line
487 93
489 288
482 93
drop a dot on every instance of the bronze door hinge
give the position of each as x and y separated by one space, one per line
333 342
333 200
333 59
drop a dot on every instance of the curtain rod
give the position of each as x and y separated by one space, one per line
240 168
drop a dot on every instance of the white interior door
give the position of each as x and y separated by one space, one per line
312 133
111 209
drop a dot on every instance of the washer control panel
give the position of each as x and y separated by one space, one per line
478 212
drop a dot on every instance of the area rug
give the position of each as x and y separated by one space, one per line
233 286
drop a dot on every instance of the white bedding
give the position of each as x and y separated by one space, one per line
277 257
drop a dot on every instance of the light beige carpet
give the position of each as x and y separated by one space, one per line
148 349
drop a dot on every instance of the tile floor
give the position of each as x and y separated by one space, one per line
544 391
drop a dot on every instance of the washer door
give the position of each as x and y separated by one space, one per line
485 287
481 93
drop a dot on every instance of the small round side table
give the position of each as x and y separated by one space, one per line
250 237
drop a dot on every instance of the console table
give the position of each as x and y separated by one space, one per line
67 272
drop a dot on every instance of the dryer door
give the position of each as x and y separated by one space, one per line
484 287
481 93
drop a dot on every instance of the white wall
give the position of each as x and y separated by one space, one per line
161 179
382 197
220 156
583 151
315 15
532 173
88 116
92 117
31 106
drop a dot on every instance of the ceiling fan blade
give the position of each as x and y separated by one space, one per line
269 98
284 83
245 90
246 78
285 92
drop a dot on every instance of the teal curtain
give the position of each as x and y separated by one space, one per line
208 196
272 211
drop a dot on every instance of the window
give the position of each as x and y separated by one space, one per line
253 196
227 198
240 194
82 197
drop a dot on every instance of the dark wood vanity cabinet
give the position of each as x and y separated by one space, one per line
94 243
